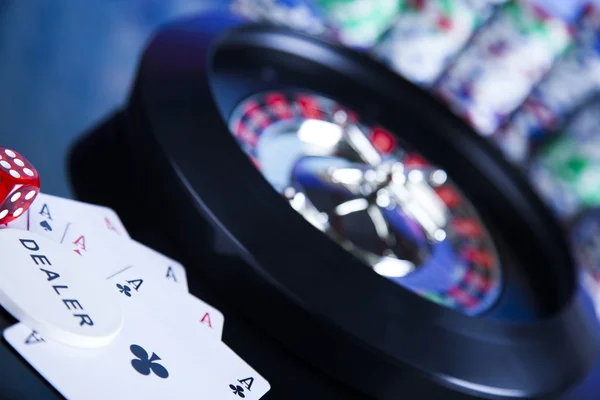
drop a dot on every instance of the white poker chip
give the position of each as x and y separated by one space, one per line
56 292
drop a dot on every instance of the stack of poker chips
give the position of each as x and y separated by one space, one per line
355 23
562 156
573 81
566 170
361 23
427 36
496 71
300 15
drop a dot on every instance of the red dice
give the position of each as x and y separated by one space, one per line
19 185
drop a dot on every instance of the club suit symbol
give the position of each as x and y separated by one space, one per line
145 365
126 290
237 389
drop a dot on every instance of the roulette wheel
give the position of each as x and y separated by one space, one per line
361 240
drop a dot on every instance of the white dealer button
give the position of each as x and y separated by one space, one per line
56 292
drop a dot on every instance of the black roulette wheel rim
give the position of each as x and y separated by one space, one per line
314 297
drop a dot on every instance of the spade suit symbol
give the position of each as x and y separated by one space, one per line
44 224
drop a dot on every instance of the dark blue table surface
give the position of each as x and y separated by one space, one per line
65 64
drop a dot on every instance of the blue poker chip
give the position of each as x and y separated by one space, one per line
585 239
584 236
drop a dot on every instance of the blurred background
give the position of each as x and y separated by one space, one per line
64 65
524 73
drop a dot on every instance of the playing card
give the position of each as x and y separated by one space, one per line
110 254
138 284
50 215
158 355
139 270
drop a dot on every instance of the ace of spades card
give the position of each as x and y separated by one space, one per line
50 216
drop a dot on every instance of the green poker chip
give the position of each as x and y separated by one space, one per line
570 162
569 165
361 22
